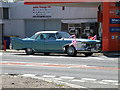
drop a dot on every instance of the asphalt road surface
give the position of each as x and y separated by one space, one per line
90 72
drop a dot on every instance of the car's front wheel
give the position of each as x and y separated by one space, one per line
88 54
29 51
71 51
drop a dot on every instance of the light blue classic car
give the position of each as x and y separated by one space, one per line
55 42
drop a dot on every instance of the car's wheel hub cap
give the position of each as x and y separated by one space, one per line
29 50
71 50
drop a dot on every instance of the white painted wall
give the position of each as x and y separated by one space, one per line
21 11
74 12
14 27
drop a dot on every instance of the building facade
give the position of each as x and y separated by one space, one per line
17 19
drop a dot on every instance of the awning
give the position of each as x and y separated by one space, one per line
79 21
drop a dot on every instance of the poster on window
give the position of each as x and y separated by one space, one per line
41 11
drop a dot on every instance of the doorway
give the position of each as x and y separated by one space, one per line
1 36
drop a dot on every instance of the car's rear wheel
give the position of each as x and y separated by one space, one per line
29 51
71 51
88 54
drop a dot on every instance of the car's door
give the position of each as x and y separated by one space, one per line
39 42
51 44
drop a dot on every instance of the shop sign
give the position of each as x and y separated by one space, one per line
115 37
115 21
114 29
40 11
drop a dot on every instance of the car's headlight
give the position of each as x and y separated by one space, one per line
98 44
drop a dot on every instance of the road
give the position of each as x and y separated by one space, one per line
90 72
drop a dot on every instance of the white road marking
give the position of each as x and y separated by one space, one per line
57 78
58 57
88 79
1 53
48 76
110 81
59 82
48 56
64 57
28 75
76 80
103 83
116 84
66 77
51 78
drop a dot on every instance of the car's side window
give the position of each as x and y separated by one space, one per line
51 36
40 37
46 36
58 35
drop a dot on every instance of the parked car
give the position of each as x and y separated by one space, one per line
55 42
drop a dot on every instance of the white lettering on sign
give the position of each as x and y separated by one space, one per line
116 20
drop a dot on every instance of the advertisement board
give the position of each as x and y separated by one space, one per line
111 27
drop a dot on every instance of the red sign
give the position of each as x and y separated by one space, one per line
38 2
111 34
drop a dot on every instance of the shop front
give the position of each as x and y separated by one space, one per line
108 17
82 28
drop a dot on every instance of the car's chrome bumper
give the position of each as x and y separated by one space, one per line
88 50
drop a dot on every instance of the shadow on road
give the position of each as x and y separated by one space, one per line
54 54
113 56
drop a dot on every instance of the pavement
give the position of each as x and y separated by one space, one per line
26 81
13 51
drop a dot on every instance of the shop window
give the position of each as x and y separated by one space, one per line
77 25
5 13
71 25
64 27
118 4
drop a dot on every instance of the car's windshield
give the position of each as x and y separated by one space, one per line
62 35
34 36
